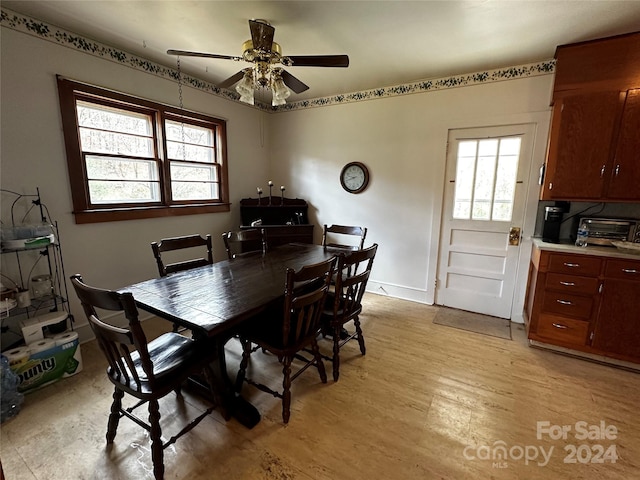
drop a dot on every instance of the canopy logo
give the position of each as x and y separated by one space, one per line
584 452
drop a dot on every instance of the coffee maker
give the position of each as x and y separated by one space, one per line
552 222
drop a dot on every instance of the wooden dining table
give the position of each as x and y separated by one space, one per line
213 300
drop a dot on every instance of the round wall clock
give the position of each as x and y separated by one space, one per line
354 177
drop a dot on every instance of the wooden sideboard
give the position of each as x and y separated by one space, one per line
284 220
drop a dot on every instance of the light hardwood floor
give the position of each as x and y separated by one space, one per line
427 401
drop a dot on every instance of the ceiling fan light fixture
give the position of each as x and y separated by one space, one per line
265 54
279 89
246 87
276 101
248 98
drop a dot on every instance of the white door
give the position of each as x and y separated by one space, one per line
485 192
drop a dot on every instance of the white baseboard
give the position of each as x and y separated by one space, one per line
398 291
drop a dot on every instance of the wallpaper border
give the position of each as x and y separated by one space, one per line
40 29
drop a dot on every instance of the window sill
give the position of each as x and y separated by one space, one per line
132 213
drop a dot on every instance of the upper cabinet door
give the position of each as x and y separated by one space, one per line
580 145
625 170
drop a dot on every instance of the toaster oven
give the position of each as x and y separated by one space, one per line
604 230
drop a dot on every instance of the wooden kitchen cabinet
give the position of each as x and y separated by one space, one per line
564 302
617 329
594 142
625 169
585 303
578 162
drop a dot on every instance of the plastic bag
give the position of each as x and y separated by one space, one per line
10 399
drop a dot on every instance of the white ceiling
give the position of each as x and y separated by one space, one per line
388 42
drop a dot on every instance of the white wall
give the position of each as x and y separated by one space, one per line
112 254
401 139
403 142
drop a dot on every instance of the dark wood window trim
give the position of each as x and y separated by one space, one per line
69 91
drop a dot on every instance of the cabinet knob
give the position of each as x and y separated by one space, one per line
568 284
629 270
571 265
560 326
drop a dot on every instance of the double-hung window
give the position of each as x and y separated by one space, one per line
130 158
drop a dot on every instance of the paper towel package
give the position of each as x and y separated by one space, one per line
45 361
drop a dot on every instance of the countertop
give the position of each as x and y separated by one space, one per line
568 247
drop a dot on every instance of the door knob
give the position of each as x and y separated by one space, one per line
514 236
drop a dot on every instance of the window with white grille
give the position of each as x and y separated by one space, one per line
132 158
486 172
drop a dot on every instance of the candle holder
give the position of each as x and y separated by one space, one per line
282 195
259 195
270 187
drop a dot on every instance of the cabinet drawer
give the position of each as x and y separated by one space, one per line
562 282
625 269
563 329
575 265
567 305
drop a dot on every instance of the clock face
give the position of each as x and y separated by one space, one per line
354 177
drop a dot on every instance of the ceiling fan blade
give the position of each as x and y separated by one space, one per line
319 60
185 53
293 83
232 79
261 35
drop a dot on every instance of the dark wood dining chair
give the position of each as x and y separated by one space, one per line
339 232
189 243
344 304
244 242
290 329
145 370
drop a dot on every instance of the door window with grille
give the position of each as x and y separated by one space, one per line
486 172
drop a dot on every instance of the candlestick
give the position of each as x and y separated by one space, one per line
270 187
259 195
282 195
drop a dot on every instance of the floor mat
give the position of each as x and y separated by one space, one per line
474 322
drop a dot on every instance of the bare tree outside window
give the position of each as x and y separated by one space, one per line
129 155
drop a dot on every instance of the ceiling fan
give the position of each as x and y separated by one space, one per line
266 54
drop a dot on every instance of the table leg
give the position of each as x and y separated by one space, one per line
230 403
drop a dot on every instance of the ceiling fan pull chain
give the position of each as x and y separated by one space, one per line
184 152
